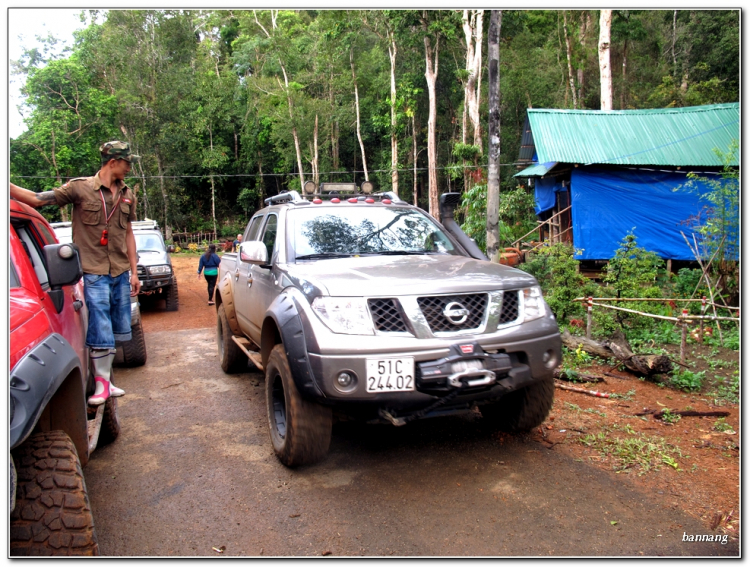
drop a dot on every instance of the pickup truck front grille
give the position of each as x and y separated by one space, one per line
509 311
141 271
441 319
386 315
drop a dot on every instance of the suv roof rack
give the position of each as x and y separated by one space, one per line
285 197
145 224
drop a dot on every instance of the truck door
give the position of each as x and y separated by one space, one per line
255 289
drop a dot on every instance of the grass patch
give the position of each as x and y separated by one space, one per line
638 451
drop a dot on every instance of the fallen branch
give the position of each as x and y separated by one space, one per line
684 413
576 377
618 348
582 391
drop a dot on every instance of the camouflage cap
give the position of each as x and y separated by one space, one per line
117 150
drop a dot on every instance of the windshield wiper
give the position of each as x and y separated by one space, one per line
323 255
397 253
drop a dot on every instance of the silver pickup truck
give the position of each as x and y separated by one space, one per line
360 304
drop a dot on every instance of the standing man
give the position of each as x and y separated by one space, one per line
236 243
103 209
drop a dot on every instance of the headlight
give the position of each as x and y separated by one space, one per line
155 270
346 315
533 303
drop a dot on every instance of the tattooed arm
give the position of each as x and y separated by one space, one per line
32 199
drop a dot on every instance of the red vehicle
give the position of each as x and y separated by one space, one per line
52 430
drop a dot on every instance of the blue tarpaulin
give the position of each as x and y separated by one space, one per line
608 204
544 193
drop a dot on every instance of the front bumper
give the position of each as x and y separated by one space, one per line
152 284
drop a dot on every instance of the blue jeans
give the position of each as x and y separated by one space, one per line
108 302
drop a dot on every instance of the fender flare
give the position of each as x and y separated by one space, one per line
52 369
226 294
284 312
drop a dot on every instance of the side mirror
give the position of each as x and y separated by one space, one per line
63 268
253 252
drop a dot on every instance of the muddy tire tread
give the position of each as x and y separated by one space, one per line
173 300
52 515
231 357
134 350
308 424
523 409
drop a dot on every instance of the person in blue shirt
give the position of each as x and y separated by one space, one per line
236 243
209 265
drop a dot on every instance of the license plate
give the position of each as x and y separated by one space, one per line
461 365
390 374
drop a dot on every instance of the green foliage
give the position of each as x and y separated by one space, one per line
633 272
474 208
212 98
557 272
687 380
668 417
516 214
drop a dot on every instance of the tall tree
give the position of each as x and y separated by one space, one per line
472 26
493 174
605 69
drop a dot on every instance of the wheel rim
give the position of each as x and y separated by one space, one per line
278 407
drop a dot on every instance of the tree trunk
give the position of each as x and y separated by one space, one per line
356 106
605 70
624 90
315 168
414 155
570 60
472 25
618 347
493 173
394 140
585 26
160 166
294 128
431 71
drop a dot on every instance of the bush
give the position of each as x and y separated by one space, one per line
687 380
557 272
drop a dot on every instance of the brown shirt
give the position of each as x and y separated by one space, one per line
90 219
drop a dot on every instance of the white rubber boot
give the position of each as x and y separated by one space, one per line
101 364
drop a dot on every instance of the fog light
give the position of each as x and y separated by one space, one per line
344 379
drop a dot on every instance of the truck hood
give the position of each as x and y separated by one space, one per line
373 276
152 257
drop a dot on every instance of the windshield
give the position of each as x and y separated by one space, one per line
355 231
148 243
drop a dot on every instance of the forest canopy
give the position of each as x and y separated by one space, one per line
228 107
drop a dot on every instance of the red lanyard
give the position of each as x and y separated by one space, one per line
109 216
104 240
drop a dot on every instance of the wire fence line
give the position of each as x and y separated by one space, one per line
290 174
349 173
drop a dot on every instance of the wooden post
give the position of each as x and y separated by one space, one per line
589 309
703 312
683 339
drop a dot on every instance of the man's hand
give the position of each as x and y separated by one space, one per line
135 284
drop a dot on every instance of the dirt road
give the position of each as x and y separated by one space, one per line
193 472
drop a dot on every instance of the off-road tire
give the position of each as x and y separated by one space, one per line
52 514
110 423
134 350
173 301
231 357
523 409
300 429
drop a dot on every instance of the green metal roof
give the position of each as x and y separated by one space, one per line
663 136
536 170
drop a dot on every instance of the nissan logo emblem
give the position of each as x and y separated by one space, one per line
456 313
